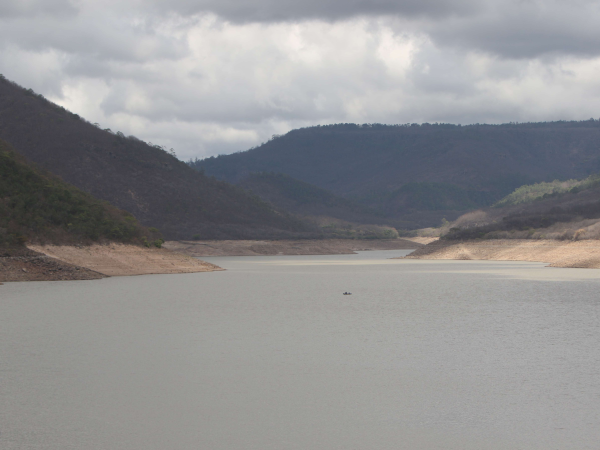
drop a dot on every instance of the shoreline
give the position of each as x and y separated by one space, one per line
55 263
76 262
290 247
583 254
38 267
125 260
68 262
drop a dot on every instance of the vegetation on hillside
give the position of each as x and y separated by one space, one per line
427 196
333 216
36 206
305 199
144 179
539 191
533 224
405 169
559 210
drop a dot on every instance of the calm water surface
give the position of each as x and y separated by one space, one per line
269 355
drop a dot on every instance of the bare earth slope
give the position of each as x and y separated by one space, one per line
576 254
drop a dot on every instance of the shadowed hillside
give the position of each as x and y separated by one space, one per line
410 168
39 207
305 199
145 180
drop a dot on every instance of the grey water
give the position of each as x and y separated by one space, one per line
270 355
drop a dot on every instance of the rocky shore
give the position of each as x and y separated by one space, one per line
576 254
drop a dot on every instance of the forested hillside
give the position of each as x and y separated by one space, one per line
305 199
39 207
410 168
145 180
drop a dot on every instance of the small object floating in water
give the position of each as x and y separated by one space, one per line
347 293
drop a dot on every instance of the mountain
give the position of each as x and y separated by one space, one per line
408 169
555 210
153 185
305 199
37 206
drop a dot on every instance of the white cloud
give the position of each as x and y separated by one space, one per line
206 85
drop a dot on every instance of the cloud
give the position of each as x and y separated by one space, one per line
524 29
329 10
16 8
509 28
215 82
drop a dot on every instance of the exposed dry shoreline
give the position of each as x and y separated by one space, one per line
67 262
50 262
27 265
576 254
46 263
122 259
285 247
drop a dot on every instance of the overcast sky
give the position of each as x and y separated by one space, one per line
216 76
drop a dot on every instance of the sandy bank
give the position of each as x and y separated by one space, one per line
121 259
580 254
303 247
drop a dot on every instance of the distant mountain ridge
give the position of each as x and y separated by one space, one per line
157 188
414 168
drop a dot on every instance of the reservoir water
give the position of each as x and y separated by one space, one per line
269 355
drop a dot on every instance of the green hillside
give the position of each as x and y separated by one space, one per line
539 191
36 206
143 179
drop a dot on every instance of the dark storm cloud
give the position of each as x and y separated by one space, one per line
524 29
293 10
508 28
16 8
